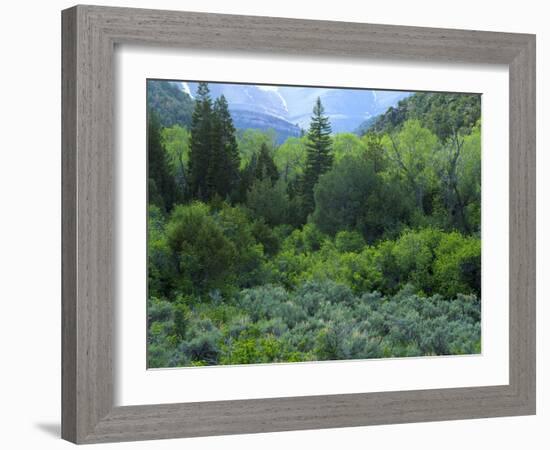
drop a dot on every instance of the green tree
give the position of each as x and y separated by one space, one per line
205 256
352 196
259 167
223 170
347 144
201 144
457 268
161 269
265 167
459 169
250 140
176 143
163 191
290 158
319 153
412 154
374 151
237 227
269 201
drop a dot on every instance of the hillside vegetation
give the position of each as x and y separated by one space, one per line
327 246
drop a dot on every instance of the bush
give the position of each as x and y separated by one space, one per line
216 249
414 254
203 348
238 228
432 261
206 258
161 267
327 298
457 268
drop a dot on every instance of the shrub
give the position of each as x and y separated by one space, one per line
414 254
237 228
159 310
203 348
328 298
327 344
457 268
361 272
206 257
161 267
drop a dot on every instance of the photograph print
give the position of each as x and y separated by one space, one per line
293 224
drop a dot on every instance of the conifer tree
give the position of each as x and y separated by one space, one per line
223 171
247 177
200 144
163 191
265 166
319 155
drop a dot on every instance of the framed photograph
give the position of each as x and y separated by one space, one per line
268 230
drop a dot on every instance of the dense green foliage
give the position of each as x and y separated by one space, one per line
442 114
162 185
324 247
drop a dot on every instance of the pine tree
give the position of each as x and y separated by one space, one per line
200 144
319 155
247 177
163 190
265 166
223 171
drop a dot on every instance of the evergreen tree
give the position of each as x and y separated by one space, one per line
265 166
163 190
261 166
247 177
200 147
223 171
319 155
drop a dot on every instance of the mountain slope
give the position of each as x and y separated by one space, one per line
287 109
254 107
346 108
170 102
284 109
441 113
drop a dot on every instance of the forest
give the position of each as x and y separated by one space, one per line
328 246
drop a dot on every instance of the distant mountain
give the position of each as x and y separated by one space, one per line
249 97
171 103
250 119
367 125
292 106
285 109
254 107
346 108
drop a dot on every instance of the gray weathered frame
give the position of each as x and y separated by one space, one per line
89 36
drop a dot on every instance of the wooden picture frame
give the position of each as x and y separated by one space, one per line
90 34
